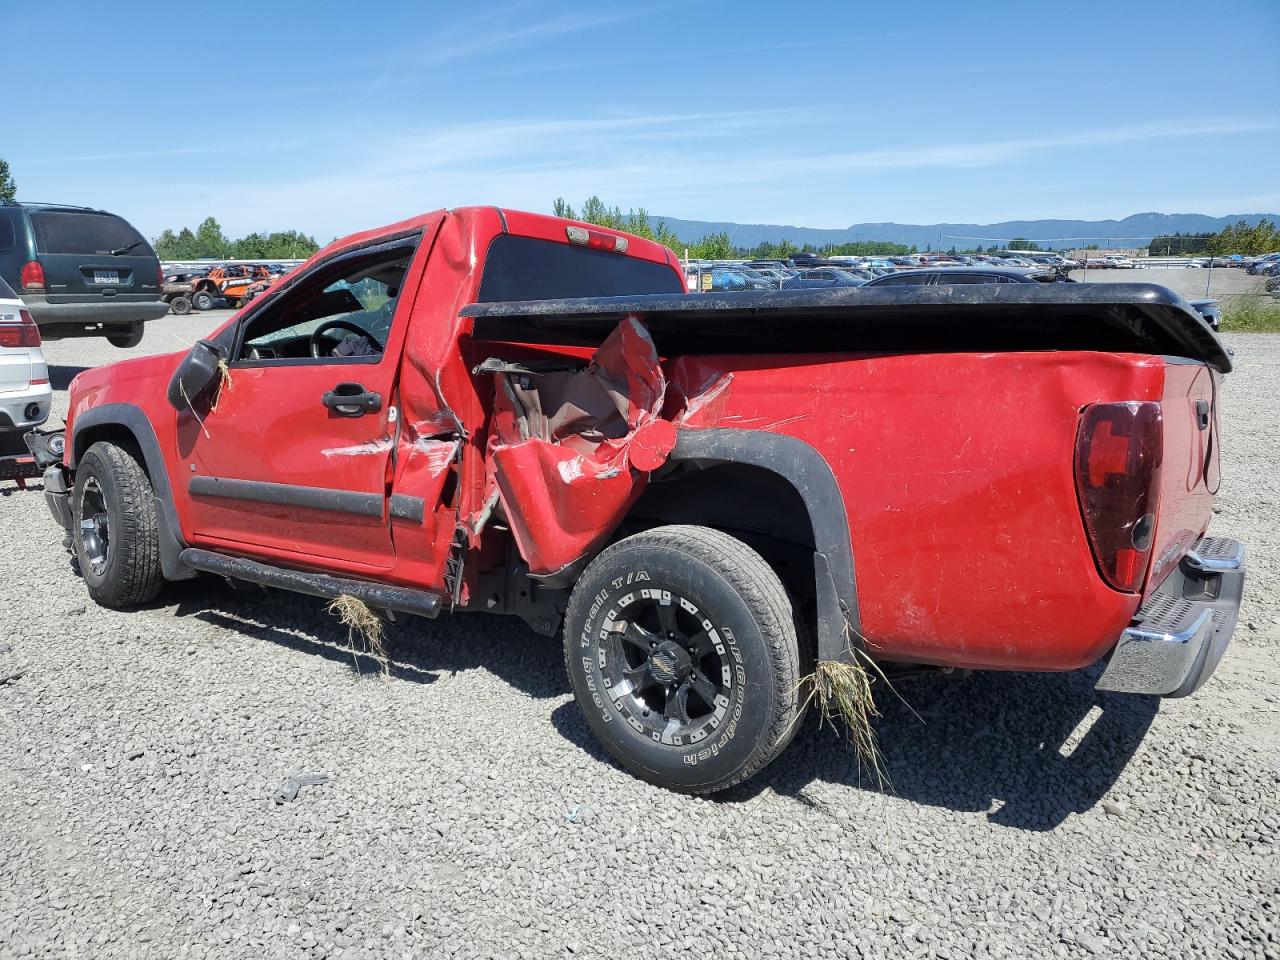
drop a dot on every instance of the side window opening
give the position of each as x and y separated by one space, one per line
340 311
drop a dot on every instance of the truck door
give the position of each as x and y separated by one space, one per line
293 460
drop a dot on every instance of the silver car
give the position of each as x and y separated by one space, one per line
25 393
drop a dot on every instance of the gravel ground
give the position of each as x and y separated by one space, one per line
1192 284
469 814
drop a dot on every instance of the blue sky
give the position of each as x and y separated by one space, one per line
333 116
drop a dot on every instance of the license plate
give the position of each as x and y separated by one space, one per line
106 276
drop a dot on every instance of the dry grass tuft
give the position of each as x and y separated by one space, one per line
843 691
224 383
360 620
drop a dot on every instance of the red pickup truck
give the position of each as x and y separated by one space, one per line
482 409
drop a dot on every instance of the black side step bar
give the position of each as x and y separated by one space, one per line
380 595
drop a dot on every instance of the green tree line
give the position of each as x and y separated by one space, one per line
1240 237
207 242
1180 245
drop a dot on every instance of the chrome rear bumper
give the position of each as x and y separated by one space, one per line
1177 638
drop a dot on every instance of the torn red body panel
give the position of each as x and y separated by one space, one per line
559 503
570 448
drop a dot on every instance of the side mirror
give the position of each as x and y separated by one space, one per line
197 371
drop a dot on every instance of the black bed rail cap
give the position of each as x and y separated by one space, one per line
1157 319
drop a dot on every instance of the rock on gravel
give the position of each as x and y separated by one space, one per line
140 753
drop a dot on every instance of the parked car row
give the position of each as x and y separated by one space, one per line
1266 266
204 287
937 272
812 272
1109 262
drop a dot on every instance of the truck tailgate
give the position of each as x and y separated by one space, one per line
1189 471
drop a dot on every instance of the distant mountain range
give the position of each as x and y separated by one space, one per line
1133 231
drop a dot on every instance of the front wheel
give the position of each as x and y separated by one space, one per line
681 647
116 535
202 300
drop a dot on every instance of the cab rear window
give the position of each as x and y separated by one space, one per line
525 268
73 232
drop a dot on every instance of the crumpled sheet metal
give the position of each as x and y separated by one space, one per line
697 397
563 495
570 452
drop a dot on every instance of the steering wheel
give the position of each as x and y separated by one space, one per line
344 325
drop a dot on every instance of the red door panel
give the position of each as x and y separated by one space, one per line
271 427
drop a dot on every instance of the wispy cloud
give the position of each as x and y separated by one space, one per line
495 31
675 162
161 152
507 27
711 52
533 142
998 152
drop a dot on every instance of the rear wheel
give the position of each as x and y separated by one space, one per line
126 340
202 300
180 305
116 535
681 647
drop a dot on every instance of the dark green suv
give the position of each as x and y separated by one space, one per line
81 272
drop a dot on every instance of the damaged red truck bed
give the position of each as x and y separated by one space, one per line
491 410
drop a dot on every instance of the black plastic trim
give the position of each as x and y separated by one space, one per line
405 507
135 421
805 469
381 595
57 495
973 317
288 495
306 362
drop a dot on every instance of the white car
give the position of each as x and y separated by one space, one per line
1118 262
25 393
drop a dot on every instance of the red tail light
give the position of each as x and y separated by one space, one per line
596 239
159 275
24 333
1118 453
32 275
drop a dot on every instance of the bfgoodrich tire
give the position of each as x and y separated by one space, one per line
681 647
116 533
